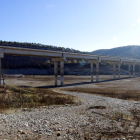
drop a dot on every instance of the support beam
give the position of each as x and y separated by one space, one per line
114 71
97 72
91 72
133 70
62 72
55 72
129 70
119 71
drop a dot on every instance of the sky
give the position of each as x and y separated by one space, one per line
84 25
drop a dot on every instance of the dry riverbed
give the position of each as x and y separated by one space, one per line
95 117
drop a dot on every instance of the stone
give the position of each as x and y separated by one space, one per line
58 134
21 131
35 130
28 132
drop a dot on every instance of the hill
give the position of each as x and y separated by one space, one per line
39 46
125 51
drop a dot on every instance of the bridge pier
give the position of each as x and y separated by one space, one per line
55 72
97 69
133 70
62 72
97 72
132 63
114 71
91 71
117 63
119 77
61 60
129 70
0 70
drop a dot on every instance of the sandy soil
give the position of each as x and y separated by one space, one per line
75 81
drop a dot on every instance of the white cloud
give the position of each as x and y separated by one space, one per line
138 20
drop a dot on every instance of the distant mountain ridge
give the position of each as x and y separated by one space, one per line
131 51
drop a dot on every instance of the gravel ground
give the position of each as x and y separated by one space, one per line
66 122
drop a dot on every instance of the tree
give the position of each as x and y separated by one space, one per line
48 63
75 61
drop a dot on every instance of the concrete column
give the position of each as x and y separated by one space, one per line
91 72
55 72
62 72
119 71
133 70
114 71
0 70
97 72
129 70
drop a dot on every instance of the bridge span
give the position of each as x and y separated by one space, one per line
62 56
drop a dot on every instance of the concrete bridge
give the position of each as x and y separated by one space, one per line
62 56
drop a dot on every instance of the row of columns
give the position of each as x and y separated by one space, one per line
97 70
62 71
115 63
61 60
119 70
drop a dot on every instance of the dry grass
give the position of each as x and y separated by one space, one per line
32 97
118 126
109 92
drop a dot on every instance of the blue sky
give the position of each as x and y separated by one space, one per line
84 25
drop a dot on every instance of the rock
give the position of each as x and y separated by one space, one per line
137 131
26 124
49 134
58 134
21 132
27 109
28 132
35 130
49 131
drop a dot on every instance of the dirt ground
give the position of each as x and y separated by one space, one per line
105 81
68 112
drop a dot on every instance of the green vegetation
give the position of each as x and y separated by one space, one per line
38 46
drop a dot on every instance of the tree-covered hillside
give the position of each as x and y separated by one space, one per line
39 46
125 51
